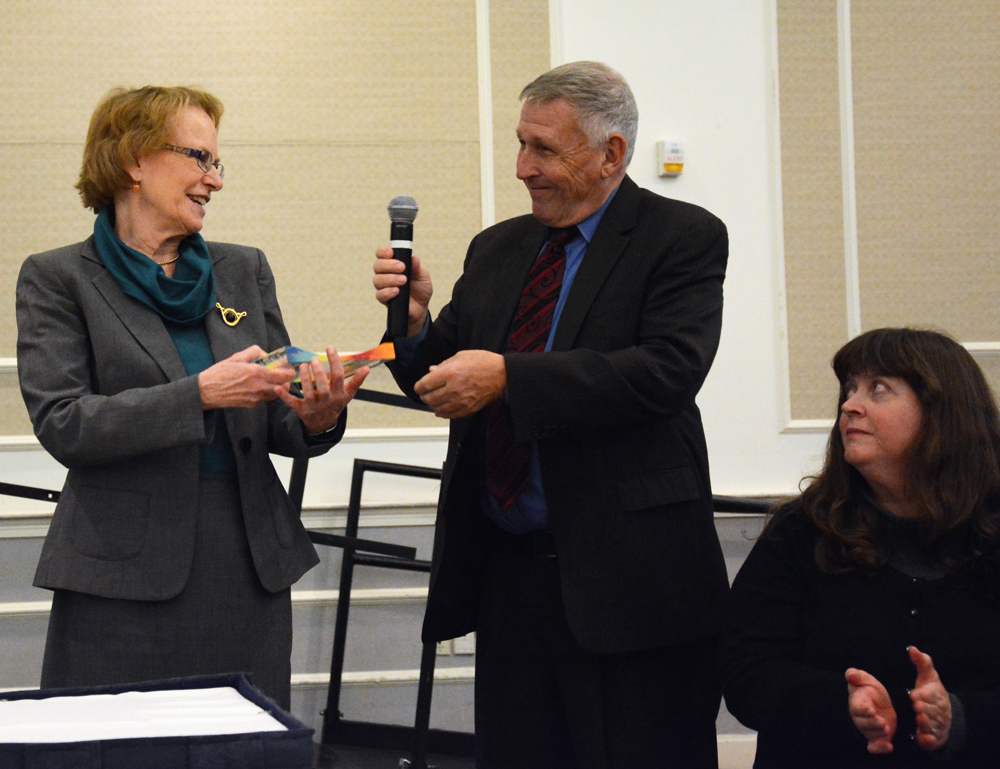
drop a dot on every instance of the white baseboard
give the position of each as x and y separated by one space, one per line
391 596
442 675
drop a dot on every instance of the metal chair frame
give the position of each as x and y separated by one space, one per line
359 552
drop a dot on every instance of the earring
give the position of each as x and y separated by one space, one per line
135 185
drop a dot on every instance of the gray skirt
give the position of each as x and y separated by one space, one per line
223 621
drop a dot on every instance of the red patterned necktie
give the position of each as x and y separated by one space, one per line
507 461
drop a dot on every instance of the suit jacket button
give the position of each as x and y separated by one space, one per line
245 445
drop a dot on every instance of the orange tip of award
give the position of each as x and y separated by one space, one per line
383 352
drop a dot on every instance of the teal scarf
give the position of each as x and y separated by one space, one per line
184 299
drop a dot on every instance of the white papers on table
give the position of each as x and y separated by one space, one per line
171 713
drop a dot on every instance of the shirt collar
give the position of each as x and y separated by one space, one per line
589 225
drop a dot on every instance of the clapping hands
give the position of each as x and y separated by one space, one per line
874 716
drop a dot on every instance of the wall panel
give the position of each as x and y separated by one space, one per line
812 194
926 177
332 109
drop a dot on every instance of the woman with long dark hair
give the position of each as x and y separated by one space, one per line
865 623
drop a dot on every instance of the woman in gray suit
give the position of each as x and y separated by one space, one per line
173 546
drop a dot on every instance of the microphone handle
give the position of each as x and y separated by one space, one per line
401 242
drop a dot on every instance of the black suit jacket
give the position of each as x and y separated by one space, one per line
109 398
611 407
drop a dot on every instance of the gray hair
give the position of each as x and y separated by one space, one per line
601 96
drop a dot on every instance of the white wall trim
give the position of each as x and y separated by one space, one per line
8 365
24 609
808 426
24 525
372 597
851 265
396 435
34 524
442 675
306 681
555 33
20 443
324 519
778 219
486 149
391 596
990 348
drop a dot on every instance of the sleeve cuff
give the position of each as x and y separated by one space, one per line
406 347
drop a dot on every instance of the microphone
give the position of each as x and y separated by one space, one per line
402 212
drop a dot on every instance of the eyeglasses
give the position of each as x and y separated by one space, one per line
202 157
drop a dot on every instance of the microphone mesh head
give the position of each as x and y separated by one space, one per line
402 208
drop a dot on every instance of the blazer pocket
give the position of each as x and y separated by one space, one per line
641 492
109 524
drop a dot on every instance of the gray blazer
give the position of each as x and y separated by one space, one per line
109 398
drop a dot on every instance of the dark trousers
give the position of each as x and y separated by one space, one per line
543 701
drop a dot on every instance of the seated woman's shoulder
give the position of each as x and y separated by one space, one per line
789 519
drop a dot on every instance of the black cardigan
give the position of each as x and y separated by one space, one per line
793 632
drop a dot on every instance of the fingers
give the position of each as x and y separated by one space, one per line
316 383
287 398
389 277
871 710
324 395
880 747
354 383
429 382
873 715
925 666
278 376
857 677
874 728
931 703
248 355
435 391
335 366
237 383
933 724
932 733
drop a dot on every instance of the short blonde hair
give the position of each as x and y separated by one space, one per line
127 125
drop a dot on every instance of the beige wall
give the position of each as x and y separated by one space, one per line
812 199
332 109
926 171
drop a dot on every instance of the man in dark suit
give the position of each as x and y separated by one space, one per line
576 530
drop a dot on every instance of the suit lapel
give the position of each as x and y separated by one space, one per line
148 330
507 284
603 252
139 320
224 339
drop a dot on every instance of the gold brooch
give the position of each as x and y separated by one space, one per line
229 316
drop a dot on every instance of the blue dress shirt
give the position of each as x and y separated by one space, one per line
529 512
